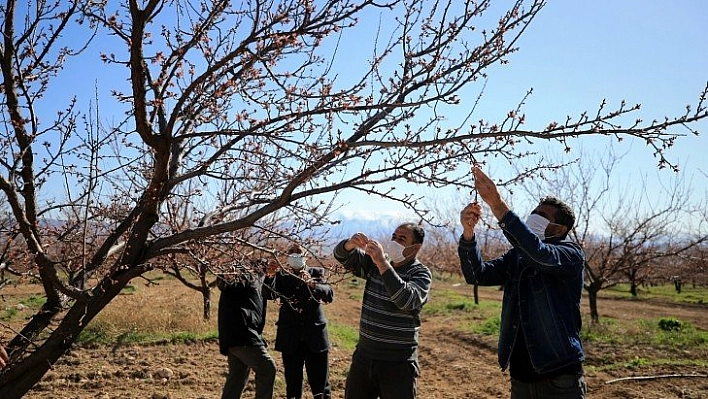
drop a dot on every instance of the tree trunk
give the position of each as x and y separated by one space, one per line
592 300
21 376
206 297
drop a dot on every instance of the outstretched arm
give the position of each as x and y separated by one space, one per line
489 193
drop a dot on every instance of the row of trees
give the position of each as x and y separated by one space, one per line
628 237
226 119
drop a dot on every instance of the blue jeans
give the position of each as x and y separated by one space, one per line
565 386
241 360
371 379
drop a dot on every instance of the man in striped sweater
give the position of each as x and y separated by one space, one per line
385 362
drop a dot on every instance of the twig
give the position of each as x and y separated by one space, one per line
654 377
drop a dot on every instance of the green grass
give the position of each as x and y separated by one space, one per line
665 293
445 302
23 308
34 301
343 336
644 332
488 326
98 333
9 314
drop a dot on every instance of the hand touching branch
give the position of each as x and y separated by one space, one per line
469 217
489 193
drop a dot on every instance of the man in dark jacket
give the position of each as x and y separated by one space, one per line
242 310
302 327
542 276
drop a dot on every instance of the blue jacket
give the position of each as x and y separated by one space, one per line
543 284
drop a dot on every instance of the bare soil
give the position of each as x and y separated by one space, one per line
454 364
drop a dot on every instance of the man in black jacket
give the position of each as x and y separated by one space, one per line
302 327
242 310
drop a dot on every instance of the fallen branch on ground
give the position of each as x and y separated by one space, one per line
655 377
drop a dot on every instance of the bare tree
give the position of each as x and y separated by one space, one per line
443 233
251 93
627 236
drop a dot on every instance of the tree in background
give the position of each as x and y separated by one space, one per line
256 93
443 233
627 237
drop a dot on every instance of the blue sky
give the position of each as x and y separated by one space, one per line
574 55
577 53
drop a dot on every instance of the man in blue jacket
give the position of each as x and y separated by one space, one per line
542 277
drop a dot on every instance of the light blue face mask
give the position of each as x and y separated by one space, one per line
296 261
537 224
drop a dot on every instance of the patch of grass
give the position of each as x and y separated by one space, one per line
24 307
129 289
605 331
674 333
9 314
488 327
34 301
665 293
187 336
103 334
652 332
343 336
95 333
637 362
445 302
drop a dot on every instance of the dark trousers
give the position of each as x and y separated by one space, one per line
565 386
371 379
317 366
241 360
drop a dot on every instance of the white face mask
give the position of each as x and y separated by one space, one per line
395 252
537 224
296 261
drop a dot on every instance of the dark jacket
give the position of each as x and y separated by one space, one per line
301 316
242 310
543 283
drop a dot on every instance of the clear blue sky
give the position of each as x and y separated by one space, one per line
574 55
577 53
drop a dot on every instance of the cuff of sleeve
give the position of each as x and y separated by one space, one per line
508 217
467 243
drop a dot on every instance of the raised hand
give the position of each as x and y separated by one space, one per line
469 217
489 193
358 240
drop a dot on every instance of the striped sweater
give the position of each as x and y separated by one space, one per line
390 312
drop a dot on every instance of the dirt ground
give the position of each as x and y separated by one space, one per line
454 364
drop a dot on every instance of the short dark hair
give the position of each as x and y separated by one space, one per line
564 213
417 230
